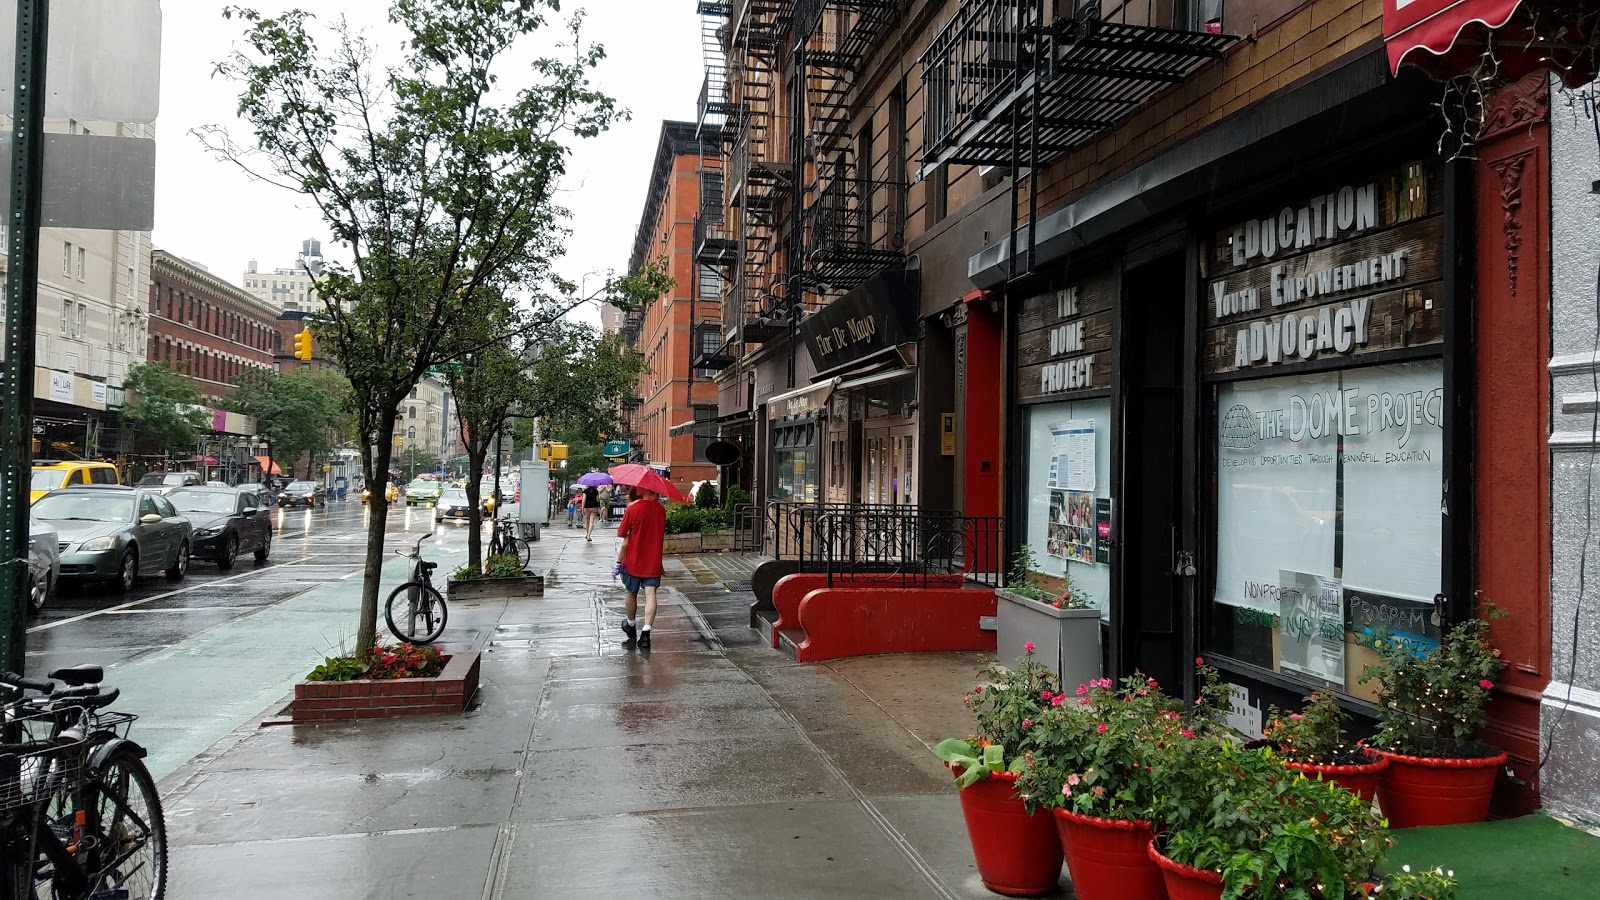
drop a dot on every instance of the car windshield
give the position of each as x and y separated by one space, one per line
303 486
157 479
454 495
198 501
47 479
419 484
84 507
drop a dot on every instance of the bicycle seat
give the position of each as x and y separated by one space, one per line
429 566
85 699
76 675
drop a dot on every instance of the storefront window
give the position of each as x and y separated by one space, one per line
794 458
1328 517
1069 495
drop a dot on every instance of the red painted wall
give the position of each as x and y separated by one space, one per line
1512 313
984 415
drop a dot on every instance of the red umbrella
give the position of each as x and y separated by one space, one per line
635 475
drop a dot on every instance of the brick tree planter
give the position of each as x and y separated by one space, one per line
495 588
330 701
689 542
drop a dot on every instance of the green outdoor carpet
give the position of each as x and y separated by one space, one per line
1531 858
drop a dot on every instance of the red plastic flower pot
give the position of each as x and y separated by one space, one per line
1186 882
1423 790
1109 858
1360 779
1017 854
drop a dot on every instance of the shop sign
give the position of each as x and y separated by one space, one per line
1352 271
1312 615
864 321
61 387
1064 340
97 391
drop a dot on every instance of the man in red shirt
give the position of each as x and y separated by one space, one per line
643 532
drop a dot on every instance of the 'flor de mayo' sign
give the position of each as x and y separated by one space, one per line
1353 270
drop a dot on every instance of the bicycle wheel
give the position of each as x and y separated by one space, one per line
416 613
125 814
522 550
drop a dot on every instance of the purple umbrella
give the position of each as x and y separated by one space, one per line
594 479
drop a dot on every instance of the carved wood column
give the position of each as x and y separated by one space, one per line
1512 313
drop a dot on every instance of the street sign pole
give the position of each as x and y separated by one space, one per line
16 381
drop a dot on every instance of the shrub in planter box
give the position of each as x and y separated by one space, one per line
1313 741
502 576
1065 627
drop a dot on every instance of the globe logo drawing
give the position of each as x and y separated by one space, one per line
1239 430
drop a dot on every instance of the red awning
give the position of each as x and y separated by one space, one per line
1448 37
268 466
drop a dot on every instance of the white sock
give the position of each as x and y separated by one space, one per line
646 628
629 621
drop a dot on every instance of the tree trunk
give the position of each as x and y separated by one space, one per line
476 450
377 524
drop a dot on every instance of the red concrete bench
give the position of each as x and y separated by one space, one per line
791 589
858 621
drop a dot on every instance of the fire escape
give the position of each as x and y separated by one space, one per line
850 224
1016 83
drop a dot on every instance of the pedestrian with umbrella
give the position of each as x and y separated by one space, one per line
644 533
591 482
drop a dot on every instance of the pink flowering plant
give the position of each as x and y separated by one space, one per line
1431 703
1006 705
1095 752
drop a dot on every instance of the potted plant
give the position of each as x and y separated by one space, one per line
1313 741
1064 625
1430 705
1016 849
1236 820
1094 768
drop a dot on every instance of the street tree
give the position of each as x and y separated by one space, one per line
163 411
434 173
578 380
414 459
487 385
299 413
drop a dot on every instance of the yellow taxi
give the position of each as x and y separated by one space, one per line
391 493
49 474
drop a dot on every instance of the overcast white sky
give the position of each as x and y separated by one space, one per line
209 212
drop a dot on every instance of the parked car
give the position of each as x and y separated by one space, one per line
116 534
391 492
422 490
50 474
44 563
452 504
226 523
309 494
167 482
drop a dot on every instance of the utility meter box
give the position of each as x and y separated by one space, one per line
534 506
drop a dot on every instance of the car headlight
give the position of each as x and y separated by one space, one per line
100 543
208 532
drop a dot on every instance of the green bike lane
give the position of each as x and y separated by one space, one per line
198 689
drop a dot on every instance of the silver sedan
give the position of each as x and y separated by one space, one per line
116 534
44 564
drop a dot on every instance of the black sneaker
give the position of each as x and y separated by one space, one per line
644 639
629 631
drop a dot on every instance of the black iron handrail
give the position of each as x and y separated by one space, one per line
911 547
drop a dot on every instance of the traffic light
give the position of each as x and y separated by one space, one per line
302 344
552 450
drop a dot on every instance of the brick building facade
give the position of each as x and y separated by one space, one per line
205 328
683 323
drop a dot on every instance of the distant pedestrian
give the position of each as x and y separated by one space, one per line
644 533
591 510
572 510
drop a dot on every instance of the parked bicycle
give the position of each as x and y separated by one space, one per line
511 539
80 818
416 610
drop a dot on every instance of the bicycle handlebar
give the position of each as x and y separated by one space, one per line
27 684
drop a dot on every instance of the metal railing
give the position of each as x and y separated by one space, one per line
886 543
857 226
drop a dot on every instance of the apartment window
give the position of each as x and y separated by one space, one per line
129 294
83 320
710 287
411 434
66 258
411 412
66 317
82 256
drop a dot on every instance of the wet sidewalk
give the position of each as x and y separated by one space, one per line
710 766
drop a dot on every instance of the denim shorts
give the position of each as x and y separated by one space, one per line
632 583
